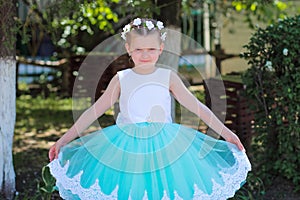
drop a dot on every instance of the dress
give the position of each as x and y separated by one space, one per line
147 156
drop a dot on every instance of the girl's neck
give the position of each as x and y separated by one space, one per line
144 69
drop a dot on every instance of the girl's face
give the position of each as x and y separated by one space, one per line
144 50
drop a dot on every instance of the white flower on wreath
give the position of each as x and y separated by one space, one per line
160 25
137 22
123 35
285 51
163 36
126 29
149 25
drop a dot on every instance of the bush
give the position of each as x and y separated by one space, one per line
273 85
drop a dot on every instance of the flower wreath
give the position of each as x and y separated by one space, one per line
146 24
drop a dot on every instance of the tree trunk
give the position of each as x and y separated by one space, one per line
7 96
7 122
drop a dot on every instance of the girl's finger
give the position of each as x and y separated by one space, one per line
52 153
56 153
241 147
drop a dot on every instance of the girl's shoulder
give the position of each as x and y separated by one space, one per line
164 70
122 73
175 79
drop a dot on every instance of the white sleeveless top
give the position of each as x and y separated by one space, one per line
144 97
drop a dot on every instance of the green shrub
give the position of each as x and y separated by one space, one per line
273 86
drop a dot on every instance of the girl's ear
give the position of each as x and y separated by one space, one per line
127 48
161 48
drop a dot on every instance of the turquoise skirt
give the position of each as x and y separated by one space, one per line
149 161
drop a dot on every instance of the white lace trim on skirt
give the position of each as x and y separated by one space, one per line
231 182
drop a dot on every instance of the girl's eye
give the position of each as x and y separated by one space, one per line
152 50
138 50
149 50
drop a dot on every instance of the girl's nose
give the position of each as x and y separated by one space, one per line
145 52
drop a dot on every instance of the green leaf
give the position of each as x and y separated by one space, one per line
47 177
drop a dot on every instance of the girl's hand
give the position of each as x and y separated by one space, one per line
234 139
54 150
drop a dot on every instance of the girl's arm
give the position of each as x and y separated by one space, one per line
108 98
188 100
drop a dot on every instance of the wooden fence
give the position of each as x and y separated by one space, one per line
82 76
230 104
89 77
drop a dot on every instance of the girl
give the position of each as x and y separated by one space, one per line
145 155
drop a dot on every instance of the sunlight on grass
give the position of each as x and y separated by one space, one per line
41 121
